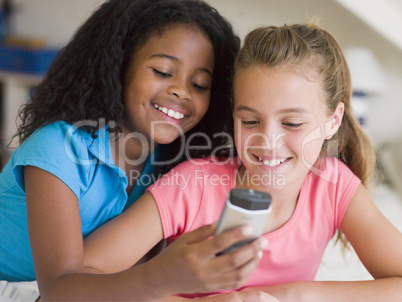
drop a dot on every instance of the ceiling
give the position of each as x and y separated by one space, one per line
384 16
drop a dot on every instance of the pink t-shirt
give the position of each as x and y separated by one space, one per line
193 194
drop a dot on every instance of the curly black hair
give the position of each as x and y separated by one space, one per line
86 79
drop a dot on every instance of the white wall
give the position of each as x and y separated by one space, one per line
384 120
56 20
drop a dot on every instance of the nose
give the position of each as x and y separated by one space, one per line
179 89
273 137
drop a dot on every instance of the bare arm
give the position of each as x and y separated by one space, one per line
236 296
120 243
65 272
57 246
379 246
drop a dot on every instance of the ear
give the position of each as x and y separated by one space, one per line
332 126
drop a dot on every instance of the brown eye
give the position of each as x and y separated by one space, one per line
199 87
160 73
249 123
292 125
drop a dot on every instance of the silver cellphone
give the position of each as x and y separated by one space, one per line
244 207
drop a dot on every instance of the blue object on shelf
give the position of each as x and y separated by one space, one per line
26 60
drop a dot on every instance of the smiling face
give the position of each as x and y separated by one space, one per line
281 123
168 84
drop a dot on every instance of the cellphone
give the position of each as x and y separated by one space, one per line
244 207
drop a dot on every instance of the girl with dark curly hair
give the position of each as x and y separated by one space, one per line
138 82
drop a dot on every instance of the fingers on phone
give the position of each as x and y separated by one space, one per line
237 266
242 261
249 252
199 234
227 239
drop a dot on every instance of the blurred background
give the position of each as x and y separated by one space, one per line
372 24
369 31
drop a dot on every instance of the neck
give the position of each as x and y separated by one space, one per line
129 153
284 198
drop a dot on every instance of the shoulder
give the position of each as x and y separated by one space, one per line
332 180
332 186
59 128
332 172
56 135
58 148
67 142
58 143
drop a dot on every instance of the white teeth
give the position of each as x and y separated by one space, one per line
271 163
170 112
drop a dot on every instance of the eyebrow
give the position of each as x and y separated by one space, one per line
165 56
283 111
246 108
294 110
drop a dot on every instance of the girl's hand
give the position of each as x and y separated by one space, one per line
249 296
190 264
242 296
256 296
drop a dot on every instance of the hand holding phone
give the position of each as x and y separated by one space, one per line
244 207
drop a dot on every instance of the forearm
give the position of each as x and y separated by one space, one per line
386 289
173 299
188 265
143 283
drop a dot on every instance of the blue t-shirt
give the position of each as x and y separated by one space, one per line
85 165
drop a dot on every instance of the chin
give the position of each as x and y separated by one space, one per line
166 135
165 139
